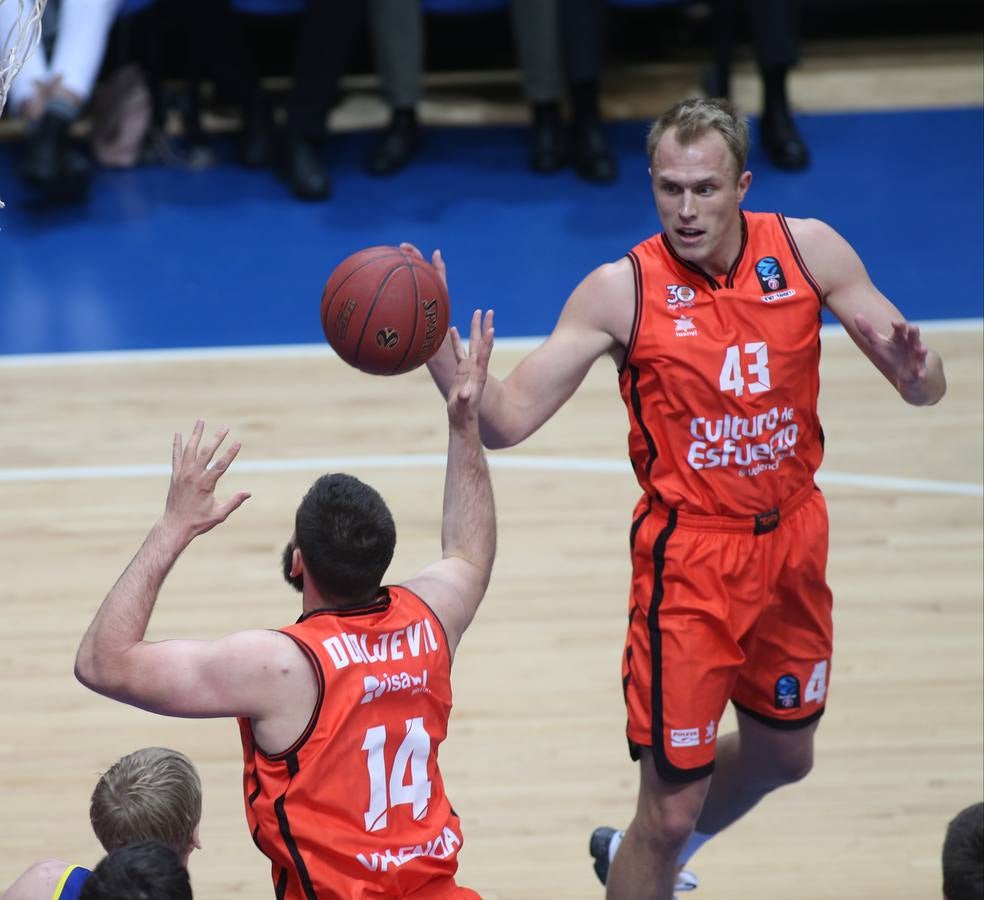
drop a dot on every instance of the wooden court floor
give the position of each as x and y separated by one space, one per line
536 755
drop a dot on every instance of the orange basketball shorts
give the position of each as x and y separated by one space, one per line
724 609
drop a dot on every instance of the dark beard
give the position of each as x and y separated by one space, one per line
295 581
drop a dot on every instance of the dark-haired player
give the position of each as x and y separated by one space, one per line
343 712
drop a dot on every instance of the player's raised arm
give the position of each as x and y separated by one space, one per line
872 320
596 319
454 586
189 678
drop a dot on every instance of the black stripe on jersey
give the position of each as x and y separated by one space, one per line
255 775
281 888
780 724
730 280
666 769
288 838
637 524
313 721
799 259
711 282
637 313
637 412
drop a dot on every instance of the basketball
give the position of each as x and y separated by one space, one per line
385 311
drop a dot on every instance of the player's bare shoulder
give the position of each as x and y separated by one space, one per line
826 254
605 301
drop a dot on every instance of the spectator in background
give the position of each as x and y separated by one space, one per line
152 794
557 44
51 90
326 31
774 26
147 870
963 855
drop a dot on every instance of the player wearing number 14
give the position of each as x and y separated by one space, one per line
341 714
714 327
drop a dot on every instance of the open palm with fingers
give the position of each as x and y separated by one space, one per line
902 352
472 370
191 503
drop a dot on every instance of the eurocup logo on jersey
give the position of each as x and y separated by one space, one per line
680 296
770 274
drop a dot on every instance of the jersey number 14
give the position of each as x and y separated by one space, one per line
385 792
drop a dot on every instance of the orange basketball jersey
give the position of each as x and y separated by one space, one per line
721 375
356 808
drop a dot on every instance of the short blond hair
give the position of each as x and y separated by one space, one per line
694 118
152 794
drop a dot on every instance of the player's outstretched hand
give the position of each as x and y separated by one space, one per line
436 260
902 352
472 370
191 505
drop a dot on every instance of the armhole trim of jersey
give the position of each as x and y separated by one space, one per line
637 313
63 881
434 616
799 258
315 713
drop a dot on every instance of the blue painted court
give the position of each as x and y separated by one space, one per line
166 258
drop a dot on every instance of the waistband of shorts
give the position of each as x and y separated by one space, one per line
762 523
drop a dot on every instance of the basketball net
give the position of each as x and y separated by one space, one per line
18 43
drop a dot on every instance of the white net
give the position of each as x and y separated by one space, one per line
23 31
20 32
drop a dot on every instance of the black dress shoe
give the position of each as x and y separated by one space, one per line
304 170
782 143
548 151
593 157
398 144
52 163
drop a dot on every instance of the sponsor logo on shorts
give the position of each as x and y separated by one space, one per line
684 737
770 274
685 326
787 692
680 295
710 732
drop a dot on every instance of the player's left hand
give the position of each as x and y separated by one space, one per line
902 352
436 260
465 396
191 506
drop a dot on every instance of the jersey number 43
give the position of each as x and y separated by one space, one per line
732 377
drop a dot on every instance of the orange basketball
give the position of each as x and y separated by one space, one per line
385 311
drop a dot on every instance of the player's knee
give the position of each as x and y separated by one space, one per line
665 827
793 764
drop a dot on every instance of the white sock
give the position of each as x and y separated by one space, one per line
697 840
613 845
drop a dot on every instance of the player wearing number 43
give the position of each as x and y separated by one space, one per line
714 328
342 713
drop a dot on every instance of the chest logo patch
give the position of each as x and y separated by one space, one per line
685 326
680 296
770 274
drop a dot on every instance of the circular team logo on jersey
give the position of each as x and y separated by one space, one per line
770 274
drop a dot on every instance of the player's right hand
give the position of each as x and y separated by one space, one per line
191 506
